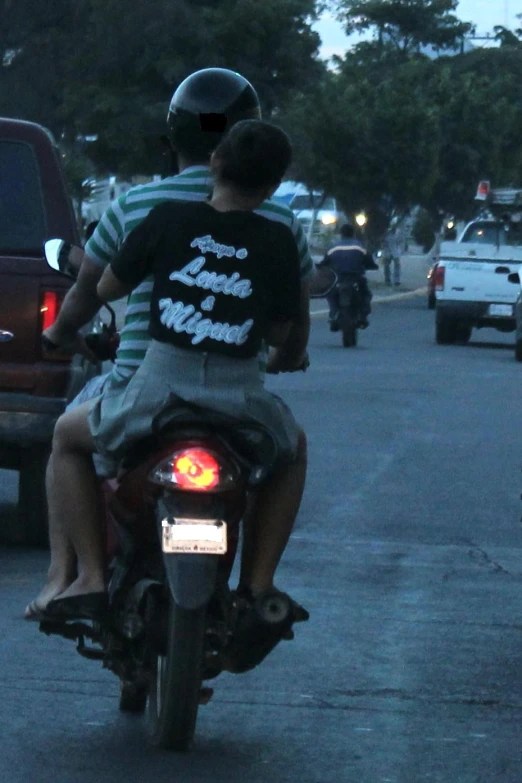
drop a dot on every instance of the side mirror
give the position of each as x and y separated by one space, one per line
514 277
322 282
64 257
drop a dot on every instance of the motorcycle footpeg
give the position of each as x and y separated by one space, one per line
260 626
68 630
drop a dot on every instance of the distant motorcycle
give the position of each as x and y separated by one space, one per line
350 315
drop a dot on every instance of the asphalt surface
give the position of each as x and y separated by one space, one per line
407 552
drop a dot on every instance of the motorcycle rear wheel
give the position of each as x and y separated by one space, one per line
348 329
175 686
133 697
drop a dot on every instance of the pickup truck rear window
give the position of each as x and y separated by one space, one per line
484 233
489 233
305 202
22 214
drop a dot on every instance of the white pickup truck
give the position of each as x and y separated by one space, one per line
471 279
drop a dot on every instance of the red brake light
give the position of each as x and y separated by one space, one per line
483 190
50 305
196 469
439 278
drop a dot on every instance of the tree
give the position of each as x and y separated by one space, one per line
107 69
387 134
373 144
479 99
406 25
509 37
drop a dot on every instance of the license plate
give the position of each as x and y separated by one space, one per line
200 537
500 309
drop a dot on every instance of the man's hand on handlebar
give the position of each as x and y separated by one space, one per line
279 362
55 340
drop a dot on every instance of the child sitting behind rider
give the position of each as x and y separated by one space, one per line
224 279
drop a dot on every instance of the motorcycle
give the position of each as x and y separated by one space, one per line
173 518
350 313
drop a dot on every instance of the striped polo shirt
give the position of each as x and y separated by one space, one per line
124 214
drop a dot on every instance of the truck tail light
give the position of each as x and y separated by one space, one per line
482 191
50 306
439 278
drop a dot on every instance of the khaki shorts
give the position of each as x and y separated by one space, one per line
169 377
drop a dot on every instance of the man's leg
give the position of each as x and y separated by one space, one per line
62 568
333 303
270 522
366 297
62 503
397 270
387 271
75 503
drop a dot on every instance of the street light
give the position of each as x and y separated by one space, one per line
361 219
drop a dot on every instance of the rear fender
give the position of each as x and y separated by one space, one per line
347 296
191 578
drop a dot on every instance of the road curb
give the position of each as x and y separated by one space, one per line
389 298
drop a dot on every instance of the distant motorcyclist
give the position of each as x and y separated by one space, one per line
349 259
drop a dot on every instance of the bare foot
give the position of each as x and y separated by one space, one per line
39 605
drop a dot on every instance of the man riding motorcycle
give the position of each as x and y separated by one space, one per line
349 259
204 105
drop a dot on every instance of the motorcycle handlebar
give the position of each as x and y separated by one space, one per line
103 344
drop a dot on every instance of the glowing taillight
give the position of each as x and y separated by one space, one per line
196 469
50 306
439 278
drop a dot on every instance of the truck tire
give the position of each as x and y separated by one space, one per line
446 330
432 301
463 334
32 500
518 349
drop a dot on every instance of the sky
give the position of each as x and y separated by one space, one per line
485 14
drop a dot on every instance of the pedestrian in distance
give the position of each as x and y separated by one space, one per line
391 257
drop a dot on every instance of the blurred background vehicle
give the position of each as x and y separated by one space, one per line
319 214
34 386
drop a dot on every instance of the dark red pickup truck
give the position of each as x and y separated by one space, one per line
34 388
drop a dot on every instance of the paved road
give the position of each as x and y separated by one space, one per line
407 553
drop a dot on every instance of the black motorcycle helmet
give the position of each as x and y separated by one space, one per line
205 105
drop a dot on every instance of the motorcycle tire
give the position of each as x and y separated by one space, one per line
348 330
133 697
174 692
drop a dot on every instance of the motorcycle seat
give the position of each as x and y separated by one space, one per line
252 446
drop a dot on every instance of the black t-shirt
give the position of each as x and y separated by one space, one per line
218 276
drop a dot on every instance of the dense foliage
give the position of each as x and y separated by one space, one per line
396 126
410 116
108 68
